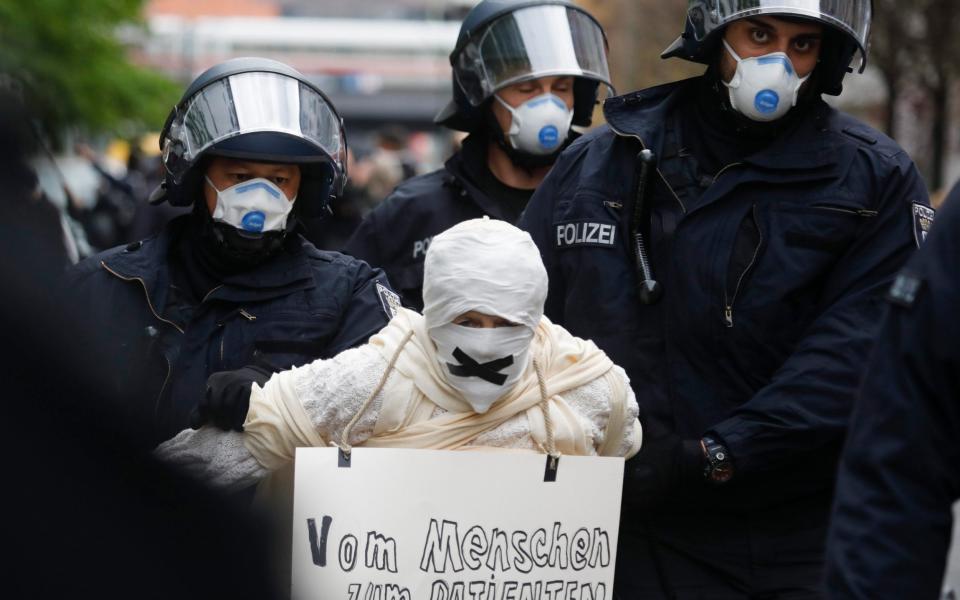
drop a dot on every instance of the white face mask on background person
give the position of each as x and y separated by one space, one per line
764 88
253 206
540 125
483 364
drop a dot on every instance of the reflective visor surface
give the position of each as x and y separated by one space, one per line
251 103
850 16
534 42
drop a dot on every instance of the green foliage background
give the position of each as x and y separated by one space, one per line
75 71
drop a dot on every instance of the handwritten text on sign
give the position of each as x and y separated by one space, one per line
431 525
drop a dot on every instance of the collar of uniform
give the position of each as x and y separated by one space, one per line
148 260
641 114
473 154
809 145
286 271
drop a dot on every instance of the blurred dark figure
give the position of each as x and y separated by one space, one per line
387 165
397 140
332 230
107 222
24 205
145 173
899 475
122 212
90 516
952 196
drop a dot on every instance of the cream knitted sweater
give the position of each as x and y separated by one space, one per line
332 391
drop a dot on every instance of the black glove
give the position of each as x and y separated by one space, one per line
665 466
228 397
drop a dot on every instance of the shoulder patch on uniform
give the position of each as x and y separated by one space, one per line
861 133
903 292
389 300
586 233
922 222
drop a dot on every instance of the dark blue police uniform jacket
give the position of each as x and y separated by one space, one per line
759 343
396 234
891 527
300 305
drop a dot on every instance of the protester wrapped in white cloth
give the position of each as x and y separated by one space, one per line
482 368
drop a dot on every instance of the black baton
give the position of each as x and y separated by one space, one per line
648 289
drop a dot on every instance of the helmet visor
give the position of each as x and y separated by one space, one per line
850 16
256 102
529 43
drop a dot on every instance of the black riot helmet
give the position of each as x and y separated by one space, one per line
503 42
260 110
847 25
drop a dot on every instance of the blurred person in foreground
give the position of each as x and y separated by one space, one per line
27 213
471 373
893 515
952 195
526 74
728 239
91 516
251 146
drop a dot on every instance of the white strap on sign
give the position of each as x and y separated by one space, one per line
400 524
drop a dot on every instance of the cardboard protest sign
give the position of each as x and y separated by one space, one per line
401 524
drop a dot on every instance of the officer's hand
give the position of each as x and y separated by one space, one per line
228 397
666 465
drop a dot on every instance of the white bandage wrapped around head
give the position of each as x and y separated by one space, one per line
487 266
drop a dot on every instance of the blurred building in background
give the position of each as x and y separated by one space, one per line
383 63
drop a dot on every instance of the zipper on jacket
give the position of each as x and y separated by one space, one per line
163 388
221 326
860 212
724 170
145 293
731 301
662 178
166 380
210 292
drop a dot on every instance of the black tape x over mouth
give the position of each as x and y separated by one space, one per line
487 371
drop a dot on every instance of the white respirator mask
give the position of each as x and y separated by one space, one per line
482 364
540 125
764 88
253 206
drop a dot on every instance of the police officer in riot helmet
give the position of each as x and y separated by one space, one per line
727 240
253 146
526 75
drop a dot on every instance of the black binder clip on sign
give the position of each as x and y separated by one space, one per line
343 457
550 473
